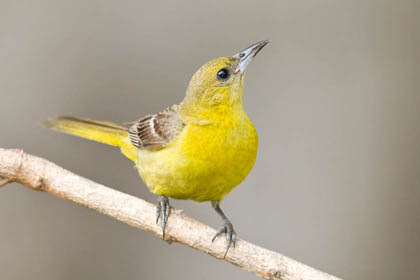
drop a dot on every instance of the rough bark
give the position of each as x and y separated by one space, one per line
39 174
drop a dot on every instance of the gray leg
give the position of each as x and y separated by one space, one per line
227 228
162 211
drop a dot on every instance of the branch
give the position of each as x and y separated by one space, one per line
4 182
39 174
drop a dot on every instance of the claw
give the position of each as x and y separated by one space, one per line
158 209
162 211
234 239
219 232
227 228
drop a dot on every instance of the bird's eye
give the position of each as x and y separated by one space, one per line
222 74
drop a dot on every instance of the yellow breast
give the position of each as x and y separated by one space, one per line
205 162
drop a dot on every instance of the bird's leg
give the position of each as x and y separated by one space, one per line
162 211
227 228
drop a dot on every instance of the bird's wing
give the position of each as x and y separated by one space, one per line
156 131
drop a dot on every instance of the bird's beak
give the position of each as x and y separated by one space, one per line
245 56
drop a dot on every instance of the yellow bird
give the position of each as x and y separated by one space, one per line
200 149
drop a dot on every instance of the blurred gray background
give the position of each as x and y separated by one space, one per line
335 98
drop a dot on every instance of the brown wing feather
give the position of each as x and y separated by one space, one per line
156 131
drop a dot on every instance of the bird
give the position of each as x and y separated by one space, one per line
199 149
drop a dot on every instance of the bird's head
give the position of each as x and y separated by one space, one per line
219 82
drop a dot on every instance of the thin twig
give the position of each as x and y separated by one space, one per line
39 174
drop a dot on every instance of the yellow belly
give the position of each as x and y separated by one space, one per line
204 163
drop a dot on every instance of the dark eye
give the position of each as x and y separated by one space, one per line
222 74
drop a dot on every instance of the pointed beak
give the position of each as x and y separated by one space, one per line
245 56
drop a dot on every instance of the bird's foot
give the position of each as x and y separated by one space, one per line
163 210
227 229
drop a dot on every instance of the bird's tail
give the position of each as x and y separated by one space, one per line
99 131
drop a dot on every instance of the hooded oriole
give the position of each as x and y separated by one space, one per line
200 149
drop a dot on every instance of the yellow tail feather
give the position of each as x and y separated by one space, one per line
99 131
